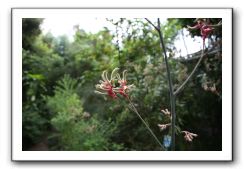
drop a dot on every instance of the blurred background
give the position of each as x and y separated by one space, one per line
62 63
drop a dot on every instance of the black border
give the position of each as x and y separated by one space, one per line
125 161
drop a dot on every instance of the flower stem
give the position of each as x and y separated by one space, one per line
133 108
171 92
193 71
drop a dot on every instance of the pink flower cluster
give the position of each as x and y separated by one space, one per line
189 136
109 86
204 27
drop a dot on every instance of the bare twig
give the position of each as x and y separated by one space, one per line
152 24
133 108
172 93
193 71
172 97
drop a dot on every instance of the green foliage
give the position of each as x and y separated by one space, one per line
34 125
59 77
30 30
74 128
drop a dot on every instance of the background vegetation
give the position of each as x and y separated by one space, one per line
62 112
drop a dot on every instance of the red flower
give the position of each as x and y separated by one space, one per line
110 91
107 86
205 28
123 88
205 31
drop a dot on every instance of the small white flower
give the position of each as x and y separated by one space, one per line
189 136
163 126
166 112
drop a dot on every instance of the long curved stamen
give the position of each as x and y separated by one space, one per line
98 86
106 76
124 75
107 86
113 72
98 92
116 89
103 75
118 76
130 86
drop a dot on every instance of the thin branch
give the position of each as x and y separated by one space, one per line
193 71
172 97
166 60
133 108
152 24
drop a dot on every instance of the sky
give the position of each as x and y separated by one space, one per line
65 26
